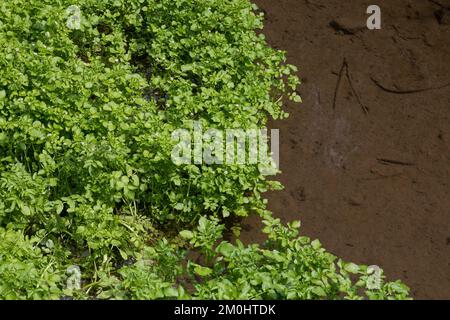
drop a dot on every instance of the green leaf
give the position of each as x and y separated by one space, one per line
225 249
319 291
202 224
295 224
186 234
316 244
202 271
171 292
59 207
179 206
186 67
26 210
123 254
352 268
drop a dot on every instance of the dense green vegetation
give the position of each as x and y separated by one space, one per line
91 205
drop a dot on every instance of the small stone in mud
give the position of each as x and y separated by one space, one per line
386 171
443 16
355 200
346 26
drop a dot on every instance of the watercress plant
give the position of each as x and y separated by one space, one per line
91 204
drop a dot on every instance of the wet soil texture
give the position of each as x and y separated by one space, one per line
366 157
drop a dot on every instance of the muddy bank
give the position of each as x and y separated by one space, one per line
366 164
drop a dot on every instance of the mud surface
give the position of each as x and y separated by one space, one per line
366 166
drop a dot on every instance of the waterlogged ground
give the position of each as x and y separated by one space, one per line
373 186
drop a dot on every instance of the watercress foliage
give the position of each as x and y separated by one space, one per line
88 190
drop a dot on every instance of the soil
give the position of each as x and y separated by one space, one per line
366 164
